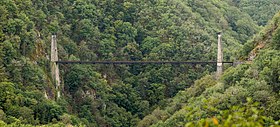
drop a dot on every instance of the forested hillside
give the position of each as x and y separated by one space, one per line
133 95
260 10
246 95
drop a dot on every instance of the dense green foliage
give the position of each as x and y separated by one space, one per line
247 95
130 95
260 10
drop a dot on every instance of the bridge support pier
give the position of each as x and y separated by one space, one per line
54 65
219 57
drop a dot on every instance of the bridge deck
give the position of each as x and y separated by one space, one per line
141 62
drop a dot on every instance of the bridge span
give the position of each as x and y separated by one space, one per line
143 62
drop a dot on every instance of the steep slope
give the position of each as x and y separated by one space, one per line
260 10
108 95
246 95
266 39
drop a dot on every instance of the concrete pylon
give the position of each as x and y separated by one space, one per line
54 66
219 57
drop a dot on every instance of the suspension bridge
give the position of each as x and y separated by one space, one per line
55 62
141 62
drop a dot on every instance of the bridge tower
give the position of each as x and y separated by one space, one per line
54 65
219 57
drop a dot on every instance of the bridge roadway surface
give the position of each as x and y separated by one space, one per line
141 62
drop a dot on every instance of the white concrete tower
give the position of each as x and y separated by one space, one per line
54 66
219 56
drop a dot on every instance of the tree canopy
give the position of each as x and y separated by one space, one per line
138 95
